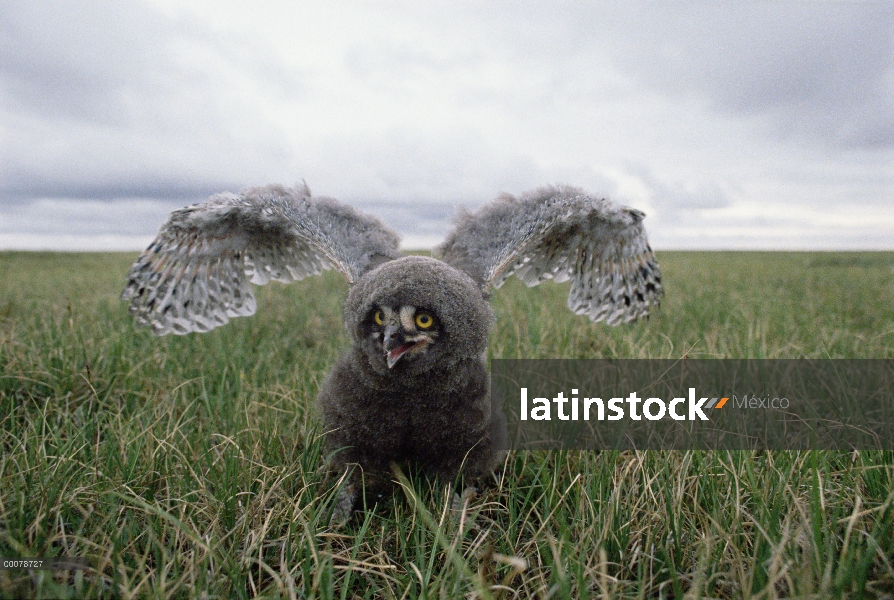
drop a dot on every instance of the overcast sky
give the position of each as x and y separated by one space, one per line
731 124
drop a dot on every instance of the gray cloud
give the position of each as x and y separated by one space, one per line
110 99
819 70
674 198
135 217
408 111
824 70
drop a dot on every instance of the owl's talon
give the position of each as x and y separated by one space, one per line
344 507
460 502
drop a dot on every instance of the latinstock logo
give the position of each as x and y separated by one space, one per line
696 404
575 408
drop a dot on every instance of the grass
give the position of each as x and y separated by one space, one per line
191 466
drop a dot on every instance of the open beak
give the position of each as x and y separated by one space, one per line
395 354
396 344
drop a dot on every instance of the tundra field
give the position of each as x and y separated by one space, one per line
191 466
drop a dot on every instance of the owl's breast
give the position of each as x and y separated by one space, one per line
393 417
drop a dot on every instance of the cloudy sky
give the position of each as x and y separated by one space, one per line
733 125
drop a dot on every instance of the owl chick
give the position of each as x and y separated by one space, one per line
414 386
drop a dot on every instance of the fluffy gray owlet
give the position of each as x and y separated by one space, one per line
414 386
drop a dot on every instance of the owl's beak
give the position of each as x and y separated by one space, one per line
395 354
396 344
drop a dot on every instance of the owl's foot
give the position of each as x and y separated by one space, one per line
461 502
344 506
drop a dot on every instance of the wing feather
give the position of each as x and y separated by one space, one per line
562 233
197 273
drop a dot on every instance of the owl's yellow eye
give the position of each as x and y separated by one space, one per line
424 320
379 317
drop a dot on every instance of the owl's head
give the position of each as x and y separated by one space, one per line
415 313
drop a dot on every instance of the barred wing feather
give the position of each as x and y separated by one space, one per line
198 272
562 233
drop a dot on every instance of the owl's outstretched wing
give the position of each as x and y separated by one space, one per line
197 272
562 233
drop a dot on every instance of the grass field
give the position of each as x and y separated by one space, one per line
191 466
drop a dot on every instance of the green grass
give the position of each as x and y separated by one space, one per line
190 466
